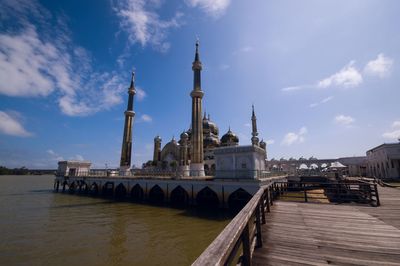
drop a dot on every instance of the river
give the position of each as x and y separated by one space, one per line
40 227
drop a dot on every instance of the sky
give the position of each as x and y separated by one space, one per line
323 75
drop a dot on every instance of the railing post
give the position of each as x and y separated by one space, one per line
263 208
271 195
267 200
305 193
378 203
258 228
246 259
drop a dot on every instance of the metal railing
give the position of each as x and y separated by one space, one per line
235 244
228 174
363 192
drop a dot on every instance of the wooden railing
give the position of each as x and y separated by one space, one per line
235 244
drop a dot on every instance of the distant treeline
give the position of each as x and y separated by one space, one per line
24 171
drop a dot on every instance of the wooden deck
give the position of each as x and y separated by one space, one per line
321 234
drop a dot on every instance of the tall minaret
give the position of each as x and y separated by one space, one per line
197 157
254 133
157 149
126 150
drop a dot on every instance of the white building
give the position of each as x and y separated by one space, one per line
383 161
240 162
73 168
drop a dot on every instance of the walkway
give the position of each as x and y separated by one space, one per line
321 234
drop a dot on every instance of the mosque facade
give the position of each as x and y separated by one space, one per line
201 151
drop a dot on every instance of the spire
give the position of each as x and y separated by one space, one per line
133 80
209 117
205 116
254 133
197 57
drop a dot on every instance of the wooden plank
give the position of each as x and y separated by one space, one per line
317 234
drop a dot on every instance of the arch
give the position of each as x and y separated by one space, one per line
238 199
120 192
179 197
71 188
207 198
108 189
156 195
94 189
84 188
137 193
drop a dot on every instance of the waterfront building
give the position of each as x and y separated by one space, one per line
73 168
383 161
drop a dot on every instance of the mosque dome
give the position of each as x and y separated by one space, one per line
229 139
209 127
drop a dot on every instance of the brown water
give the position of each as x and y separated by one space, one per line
39 227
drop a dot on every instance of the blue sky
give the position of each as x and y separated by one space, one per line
323 75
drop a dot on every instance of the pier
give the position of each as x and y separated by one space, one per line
272 230
165 188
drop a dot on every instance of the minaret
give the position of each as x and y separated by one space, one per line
183 154
126 151
197 156
254 138
157 149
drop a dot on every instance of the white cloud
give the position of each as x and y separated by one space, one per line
293 138
143 25
325 100
270 141
380 67
294 88
146 118
394 133
10 125
344 120
140 94
54 156
244 49
347 77
247 125
77 157
396 124
224 67
35 67
213 8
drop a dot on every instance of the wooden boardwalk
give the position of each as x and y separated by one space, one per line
321 234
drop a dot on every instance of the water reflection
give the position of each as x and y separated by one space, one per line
45 228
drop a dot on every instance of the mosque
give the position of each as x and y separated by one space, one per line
199 151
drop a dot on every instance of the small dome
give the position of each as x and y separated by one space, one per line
157 138
184 135
229 139
211 142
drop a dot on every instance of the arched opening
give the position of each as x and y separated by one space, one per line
156 195
120 192
238 199
179 197
94 190
83 188
137 193
207 198
108 189
206 169
71 188
212 170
